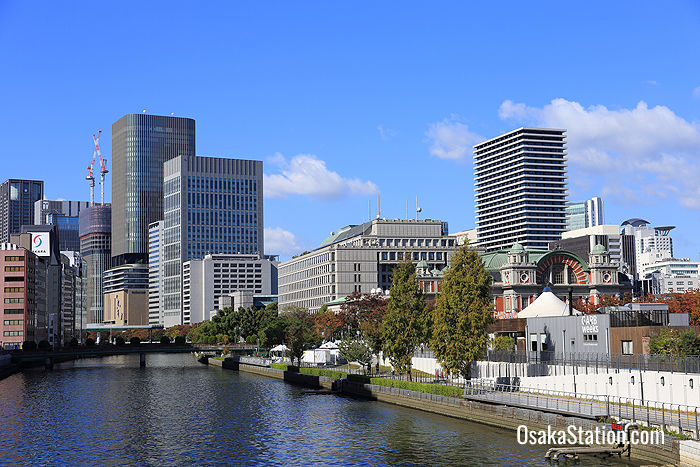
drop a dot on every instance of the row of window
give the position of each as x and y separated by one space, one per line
14 289
14 258
14 268
13 322
13 333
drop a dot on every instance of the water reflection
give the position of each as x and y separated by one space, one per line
176 411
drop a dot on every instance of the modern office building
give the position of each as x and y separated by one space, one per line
670 275
584 214
19 299
651 244
155 285
140 145
64 215
582 241
74 261
361 258
95 248
126 295
17 198
206 280
520 186
211 205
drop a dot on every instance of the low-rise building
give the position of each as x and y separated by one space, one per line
126 295
20 320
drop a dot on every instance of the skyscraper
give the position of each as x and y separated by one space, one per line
584 214
17 198
95 248
520 188
212 205
140 145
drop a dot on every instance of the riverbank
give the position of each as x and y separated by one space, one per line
674 452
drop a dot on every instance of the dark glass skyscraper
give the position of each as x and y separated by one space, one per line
17 198
140 145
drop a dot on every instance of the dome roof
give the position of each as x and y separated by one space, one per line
598 249
517 248
422 264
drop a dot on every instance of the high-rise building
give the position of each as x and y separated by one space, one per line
95 248
584 214
361 259
140 145
155 285
19 297
64 215
520 188
126 295
651 244
17 198
212 205
206 280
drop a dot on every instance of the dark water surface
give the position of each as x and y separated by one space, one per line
176 411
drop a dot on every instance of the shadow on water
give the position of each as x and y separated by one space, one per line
177 411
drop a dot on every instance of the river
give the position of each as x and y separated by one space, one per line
109 411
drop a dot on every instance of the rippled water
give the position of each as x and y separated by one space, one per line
175 411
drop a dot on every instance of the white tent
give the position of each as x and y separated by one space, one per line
546 305
279 348
329 345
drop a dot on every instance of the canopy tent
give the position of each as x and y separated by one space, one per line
329 345
279 348
547 305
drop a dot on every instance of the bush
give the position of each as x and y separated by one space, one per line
165 340
119 341
252 339
29 346
135 341
359 378
44 345
73 342
439 389
89 342
180 340
321 372
282 366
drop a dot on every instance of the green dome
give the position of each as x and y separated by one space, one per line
517 248
598 249
422 264
435 271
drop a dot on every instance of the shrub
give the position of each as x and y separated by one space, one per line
439 389
119 341
165 340
44 345
134 341
282 366
322 372
359 378
29 346
180 340
73 342
89 342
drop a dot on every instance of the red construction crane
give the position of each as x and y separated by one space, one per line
103 165
90 177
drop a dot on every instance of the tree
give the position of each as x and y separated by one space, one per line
462 313
328 323
503 343
672 342
405 322
355 350
301 334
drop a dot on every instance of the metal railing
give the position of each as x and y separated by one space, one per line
669 417
602 363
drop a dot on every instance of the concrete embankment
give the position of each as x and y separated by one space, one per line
673 452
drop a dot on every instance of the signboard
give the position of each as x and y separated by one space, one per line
40 243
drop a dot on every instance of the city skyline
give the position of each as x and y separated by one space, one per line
339 116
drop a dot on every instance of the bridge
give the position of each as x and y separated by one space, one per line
48 358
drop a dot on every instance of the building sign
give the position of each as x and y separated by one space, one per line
589 324
40 243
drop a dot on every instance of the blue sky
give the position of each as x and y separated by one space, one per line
346 100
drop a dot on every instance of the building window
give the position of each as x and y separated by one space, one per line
533 342
543 342
627 348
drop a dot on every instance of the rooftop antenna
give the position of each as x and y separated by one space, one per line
379 208
369 210
418 209
406 209
103 166
91 178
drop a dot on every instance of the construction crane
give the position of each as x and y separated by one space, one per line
103 166
90 177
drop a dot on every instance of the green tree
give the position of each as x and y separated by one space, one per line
405 322
300 334
355 350
462 312
503 343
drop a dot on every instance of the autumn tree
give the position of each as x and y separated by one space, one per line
300 333
328 323
405 322
462 313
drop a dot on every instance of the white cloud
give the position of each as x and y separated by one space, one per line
386 133
451 139
307 175
696 92
655 144
281 242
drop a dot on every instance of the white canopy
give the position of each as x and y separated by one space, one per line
546 305
329 345
279 348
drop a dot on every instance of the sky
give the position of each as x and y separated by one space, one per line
348 101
